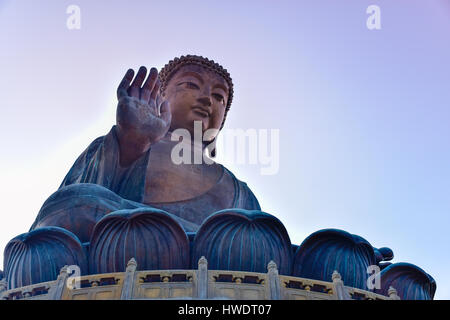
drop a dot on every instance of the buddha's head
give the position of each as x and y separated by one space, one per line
198 89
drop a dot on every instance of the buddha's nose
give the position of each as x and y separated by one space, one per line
205 100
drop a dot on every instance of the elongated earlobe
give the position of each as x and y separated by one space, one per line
211 148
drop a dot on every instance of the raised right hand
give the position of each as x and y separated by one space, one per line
139 123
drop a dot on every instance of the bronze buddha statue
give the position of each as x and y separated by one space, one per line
134 159
125 198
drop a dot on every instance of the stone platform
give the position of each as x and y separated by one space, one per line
191 284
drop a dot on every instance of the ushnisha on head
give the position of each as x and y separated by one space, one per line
198 89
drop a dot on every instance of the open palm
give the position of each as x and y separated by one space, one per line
140 117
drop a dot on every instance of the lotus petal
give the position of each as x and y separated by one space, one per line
237 239
328 250
38 256
410 281
152 236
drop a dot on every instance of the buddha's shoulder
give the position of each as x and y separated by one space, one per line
232 176
246 199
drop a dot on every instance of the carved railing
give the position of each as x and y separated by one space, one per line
358 294
96 287
237 285
39 291
294 288
190 284
164 284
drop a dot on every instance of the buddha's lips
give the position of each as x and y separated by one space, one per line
202 111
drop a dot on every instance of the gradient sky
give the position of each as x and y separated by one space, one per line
363 115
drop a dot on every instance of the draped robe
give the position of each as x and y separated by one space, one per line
99 165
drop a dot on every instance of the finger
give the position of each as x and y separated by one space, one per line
159 100
124 84
166 113
149 84
155 90
136 85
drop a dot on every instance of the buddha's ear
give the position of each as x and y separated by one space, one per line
210 136
211 148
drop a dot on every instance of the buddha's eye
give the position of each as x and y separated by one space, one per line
219 98
191 85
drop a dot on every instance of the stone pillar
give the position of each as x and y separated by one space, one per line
339 289
392 293
202 278
274 281
129 280
56 291
3 287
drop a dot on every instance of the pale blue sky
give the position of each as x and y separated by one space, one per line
363 115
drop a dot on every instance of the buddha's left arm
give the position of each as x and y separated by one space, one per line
99 164
247 200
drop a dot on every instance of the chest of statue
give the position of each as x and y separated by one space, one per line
189 191
170 182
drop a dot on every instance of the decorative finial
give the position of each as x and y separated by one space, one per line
132 262
336 276
393 294
63 270
202 262
131 265
272 266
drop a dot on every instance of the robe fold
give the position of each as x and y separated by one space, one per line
99 165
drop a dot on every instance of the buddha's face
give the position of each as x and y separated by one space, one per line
196 94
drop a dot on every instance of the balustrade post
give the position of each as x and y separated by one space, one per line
129 280
3 287
338 287
56 290
202 278
392 293
274 281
